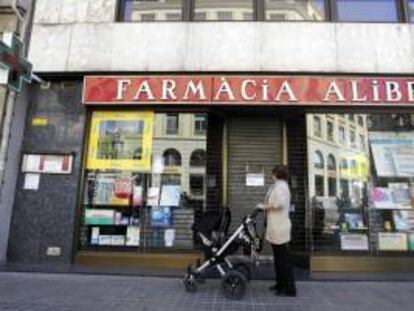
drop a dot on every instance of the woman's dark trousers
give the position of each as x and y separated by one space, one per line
285 278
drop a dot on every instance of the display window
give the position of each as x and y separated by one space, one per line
142 188
368 203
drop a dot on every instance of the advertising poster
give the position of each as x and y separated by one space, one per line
392 241
393 153
354 242
382 197
403 220
153 196
112 189
132 236
121 141
170 195
161 217
169 237
354 221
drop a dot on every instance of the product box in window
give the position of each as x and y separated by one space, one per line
117 240
105 240
99 217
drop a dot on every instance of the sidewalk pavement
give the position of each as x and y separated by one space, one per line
77 292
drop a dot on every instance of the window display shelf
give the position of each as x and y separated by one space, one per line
108 225
391 209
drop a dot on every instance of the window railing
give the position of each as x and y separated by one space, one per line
382 11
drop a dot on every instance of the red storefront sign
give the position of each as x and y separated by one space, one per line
249 90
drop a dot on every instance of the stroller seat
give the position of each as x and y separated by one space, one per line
212 230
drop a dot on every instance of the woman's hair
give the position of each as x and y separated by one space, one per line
281 172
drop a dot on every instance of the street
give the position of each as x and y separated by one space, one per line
79 292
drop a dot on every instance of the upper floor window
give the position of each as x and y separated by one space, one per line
152 10
411 11
367 11
224 10
300 10
267 10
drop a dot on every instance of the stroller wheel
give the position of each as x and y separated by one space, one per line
200 279
190 283
244 269
233 285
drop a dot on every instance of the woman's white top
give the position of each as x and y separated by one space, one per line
277 204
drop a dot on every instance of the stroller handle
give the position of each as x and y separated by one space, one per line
256 212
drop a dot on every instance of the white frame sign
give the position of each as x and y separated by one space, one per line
47 163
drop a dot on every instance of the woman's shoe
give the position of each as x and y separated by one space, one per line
279 292
290 294
274 287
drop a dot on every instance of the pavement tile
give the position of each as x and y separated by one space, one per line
78 292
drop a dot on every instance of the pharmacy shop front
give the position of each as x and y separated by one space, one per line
159 151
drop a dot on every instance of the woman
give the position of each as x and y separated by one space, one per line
276 206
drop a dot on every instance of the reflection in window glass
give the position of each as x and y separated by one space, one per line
331 163
172 157
336 191
198 158
172 123
330 131
171 179
197 184
200 124
141 190
120 139
352 137
342 135
362 142
411 10
319 161
367 10
152 10
332 187
224 10
317 126
344 187
319 185
305 10
360 120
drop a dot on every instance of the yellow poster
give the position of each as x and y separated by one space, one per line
120 141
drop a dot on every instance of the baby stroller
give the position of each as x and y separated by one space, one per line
217 245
